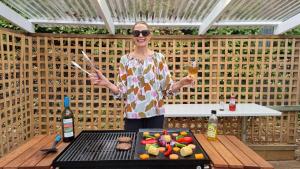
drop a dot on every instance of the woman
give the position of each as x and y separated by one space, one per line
144 80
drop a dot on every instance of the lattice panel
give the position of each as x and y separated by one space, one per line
282 129
262 71
15 90
93 107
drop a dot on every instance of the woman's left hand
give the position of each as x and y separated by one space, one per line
188 80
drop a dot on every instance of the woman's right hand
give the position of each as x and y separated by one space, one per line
99 79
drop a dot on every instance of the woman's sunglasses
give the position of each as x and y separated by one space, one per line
136 33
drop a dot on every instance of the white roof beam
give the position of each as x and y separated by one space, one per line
213 15
67 22
287 25
245 23
103 10
16 18
159 24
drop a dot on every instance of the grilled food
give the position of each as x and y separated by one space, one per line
186 151
173 156
124 139
153 150
123 146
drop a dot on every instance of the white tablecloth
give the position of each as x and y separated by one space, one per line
204 110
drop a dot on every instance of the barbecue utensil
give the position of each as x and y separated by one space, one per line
92 65
86 58
79 67
53 148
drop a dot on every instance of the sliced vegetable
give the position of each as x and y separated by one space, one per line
178 137
199 156
172 143
173 156
174 134
153 150
193 146
156 135
183 133
179 145
186 151
169 150
146 133
165 132
162 142
144 156
162 149
176 149
185 140
166 138
150 141
148 136
148 145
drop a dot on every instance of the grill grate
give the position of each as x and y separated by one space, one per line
95 146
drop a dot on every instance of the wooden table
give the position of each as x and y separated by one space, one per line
29 155
230 152
227 152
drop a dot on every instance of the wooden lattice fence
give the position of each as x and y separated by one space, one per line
35 75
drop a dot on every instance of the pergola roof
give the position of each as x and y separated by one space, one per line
111 14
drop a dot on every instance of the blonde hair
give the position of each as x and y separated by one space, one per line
140 22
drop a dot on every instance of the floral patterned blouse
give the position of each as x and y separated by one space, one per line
143 84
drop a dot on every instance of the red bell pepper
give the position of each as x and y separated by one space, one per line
169 150
149 141
186 140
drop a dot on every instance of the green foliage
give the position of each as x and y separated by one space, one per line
73 30
295 31
5 24
156 31
233 31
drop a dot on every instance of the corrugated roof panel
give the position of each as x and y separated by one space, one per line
263 10
160 11
55 10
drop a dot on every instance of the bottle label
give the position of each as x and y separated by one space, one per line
68 127
212 130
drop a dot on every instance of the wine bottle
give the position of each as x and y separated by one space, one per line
67 122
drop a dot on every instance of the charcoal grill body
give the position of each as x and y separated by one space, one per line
96 149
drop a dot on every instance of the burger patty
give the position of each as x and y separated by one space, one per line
123 146
124 139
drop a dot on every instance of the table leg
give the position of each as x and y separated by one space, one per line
165 125
244 129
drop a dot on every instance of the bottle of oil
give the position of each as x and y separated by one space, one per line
67 122
212 126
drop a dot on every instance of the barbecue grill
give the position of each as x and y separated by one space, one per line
97 149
